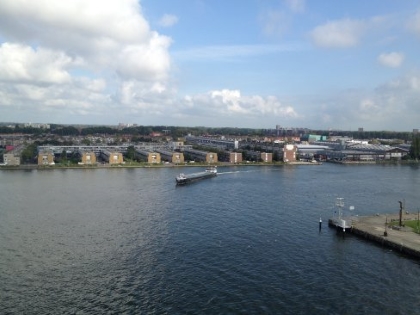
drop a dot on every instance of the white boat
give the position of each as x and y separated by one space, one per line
339 220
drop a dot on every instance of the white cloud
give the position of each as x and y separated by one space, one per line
111 35
393 59
297 6
80 56
338 34
168 20
21 63
231 103
394 105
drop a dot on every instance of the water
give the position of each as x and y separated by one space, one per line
128 241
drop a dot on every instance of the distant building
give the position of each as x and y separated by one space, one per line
202 156
88 158
312 138
360 129
112 157
149 156
213 142
37 125
235 157
266 157
171 156
260 156
11 159
416 131
46 158
289 153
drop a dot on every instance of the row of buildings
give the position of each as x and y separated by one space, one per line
215 150
174 153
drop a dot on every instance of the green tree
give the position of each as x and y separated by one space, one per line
86 141
415 148
131 152
29 154
63 157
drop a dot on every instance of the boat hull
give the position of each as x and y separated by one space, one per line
183 179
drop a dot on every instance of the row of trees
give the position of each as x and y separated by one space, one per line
176 131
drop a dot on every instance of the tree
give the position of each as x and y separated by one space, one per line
86 141
131 152
415 148
29 154
63 157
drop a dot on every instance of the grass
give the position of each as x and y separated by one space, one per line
411 223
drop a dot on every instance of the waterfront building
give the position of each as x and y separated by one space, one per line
171 156
11 159
112 157
88 158
235 157
289 153
46 158
149 156
202 156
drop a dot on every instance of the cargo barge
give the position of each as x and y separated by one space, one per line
183 179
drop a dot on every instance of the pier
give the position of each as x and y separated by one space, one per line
399 238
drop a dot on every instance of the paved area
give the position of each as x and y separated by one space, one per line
375 225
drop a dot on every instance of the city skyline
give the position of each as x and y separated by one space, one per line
255 64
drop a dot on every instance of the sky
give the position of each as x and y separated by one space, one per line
317 64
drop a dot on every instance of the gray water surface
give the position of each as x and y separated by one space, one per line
129 241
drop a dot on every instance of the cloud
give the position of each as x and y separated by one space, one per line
338 34
393 105
233 52
275 22
231 103
78 56
168 20
296 6
23 64
413 23
393 59
111 35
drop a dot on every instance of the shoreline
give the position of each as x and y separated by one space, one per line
108 166
220 164
372 228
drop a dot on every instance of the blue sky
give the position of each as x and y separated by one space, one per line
257 63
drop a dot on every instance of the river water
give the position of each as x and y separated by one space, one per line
129 241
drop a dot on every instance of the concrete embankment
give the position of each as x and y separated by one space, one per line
401 239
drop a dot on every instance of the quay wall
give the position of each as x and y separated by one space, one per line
372 228
385 241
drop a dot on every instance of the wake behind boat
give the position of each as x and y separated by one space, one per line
183 179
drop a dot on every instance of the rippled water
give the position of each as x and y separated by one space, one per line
128 241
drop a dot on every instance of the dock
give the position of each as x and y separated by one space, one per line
373 228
